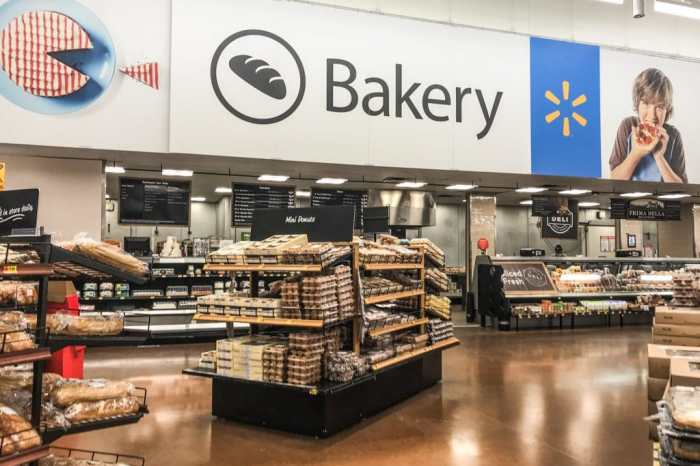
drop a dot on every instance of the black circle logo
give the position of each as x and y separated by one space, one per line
252 73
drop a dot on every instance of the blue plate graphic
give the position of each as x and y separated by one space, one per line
99 63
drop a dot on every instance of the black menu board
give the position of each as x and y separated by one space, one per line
335 197
248 197
154 202
645 209
526 277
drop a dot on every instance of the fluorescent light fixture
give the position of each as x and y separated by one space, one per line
635 194
530 190
674 196
303 193
462 187
616 2
656 277
579 277
223 190
114 169
527 202
276 178
173 172
198 199
588 204
676 9
411 184
331 181
575 192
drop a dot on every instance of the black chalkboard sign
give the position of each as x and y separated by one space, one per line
526 278
334 197
18 212
318 223
154 202
645 209
249 197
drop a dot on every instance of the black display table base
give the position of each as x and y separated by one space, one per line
326 410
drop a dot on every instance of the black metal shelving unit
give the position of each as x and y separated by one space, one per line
103 456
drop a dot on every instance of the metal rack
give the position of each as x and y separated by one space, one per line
91 455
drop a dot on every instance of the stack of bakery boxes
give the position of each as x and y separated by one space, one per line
674 369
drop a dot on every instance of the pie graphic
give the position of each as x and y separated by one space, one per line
146 73
26 45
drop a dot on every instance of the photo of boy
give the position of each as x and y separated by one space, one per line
656 155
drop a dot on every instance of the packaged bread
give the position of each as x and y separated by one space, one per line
52 460
65 324
107 254
72 391
16 432
20 293
13 339
93 410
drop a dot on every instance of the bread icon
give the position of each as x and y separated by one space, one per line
259 74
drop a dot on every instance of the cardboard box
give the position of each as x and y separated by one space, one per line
685 372
59 290
660 358
677 316
677 330
675 341
655 389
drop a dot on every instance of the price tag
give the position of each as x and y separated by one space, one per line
9 269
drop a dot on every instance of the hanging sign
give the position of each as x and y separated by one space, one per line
318 223
645 209
18 212
562 221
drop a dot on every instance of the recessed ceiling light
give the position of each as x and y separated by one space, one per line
331 181
575 192
114 169
303 193
674 196
616 2
107 196
223 190
198 199
530 190
277 178
462 187
588 204
173 172
676 9
635 194
527 202
411 184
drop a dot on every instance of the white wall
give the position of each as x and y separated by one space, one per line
586 21
70 192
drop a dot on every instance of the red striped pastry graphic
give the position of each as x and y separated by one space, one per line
146 73
25 44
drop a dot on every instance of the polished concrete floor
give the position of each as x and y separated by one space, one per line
535 398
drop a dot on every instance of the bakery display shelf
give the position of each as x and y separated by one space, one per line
211 267
382 298
138 298
301 323
57 342
409 355
601 294
25 457
22 357
92 455
393 266
184 276
26 270
69 265
375 332
52 434
177 260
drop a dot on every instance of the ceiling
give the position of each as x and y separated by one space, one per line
213 171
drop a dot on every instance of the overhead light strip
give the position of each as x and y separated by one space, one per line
676 9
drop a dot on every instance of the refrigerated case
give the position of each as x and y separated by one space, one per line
585 291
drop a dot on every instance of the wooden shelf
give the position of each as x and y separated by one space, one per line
301 323
442 345
375 332
25 270
25 457
21 357
263 267
394 266
392 296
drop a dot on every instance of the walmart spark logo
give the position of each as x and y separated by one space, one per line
564 109
553 116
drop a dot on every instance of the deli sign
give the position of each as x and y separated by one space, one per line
559 216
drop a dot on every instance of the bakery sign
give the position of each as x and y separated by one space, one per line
561 222
18 211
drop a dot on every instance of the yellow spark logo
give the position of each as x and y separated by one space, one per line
553 116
